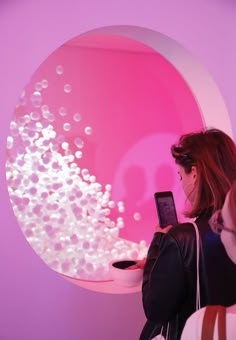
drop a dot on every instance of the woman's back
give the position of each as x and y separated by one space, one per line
218 271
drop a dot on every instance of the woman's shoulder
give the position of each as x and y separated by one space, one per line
182 231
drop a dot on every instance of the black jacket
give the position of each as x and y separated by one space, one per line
169 280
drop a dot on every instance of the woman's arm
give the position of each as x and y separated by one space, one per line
163 286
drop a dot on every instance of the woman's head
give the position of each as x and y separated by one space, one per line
229 220
206 162
223 222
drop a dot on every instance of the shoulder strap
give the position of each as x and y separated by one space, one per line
209 322
221 323
198 302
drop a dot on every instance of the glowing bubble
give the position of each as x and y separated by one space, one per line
13 125
84 172
65 266
38 126
46 218
56 186
78 154
137 216
23 120
53 146
29 233
45 108
36 99
74 239
44 83
142 243
51 117
44 194
90 267
79 194
66 126
38 86
59 69
65 146
46 159
111 204
62 111
41 168
67 88
108 187
37 209
60 139
32 190
58 246
86 245
76 117
121 208
88 130
34 178
79 142
35 115
92 179
10 142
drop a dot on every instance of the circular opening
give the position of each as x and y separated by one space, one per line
89 145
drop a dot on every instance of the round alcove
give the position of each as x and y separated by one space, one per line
89 144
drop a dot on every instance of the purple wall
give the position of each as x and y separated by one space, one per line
35 302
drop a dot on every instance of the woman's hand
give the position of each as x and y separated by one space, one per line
139 264
163 230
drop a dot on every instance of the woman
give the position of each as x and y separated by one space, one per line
223 223
206 163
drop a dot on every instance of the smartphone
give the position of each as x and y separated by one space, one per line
165 208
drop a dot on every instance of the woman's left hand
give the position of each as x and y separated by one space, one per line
139 264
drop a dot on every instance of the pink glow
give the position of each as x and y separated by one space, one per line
37 302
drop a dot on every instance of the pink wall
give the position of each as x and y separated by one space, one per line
36 303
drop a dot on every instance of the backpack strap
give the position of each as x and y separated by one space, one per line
209 322
221 323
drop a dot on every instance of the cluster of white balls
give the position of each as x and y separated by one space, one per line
61 208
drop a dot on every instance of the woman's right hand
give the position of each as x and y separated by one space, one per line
163 230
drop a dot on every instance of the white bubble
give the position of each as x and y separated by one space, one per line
67 88
78 154
44 83
79 142
137 216
45 108
88 130
65 146
111 204
62 111
66 126
51 117
108 187
35 115
76 117
36 99
59 69
10 142
38 86
60 139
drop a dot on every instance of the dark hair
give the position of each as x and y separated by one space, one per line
213 153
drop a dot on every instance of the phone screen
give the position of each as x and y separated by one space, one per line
165 208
